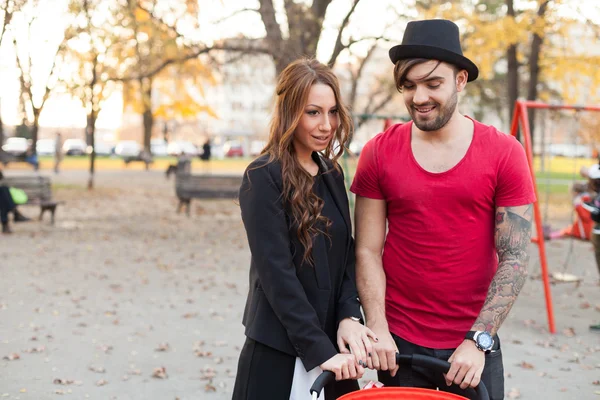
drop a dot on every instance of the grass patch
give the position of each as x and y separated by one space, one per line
67 186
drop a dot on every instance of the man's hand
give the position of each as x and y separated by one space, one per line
467 364
383 356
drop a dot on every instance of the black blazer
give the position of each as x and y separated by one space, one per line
288 302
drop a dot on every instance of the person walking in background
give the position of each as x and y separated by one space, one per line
58 152
302 314
457 198
205 156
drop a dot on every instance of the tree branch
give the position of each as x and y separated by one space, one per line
267 13
233 14
356 77
337 49
195 53
319 8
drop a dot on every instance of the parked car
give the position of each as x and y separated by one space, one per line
158 147
128 148
175 148
17 146
45 147
233 148
102 149
74 147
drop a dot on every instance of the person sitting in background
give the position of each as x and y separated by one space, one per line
7 205
31 157
593 207
583 193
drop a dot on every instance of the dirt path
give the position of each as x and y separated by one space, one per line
122 287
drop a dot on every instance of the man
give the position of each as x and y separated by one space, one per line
457 197
58 153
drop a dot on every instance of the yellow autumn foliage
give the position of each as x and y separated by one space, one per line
565 68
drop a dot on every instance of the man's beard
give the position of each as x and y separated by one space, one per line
444 115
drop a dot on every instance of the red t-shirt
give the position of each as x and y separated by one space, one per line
439 255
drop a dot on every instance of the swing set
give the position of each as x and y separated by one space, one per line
520 118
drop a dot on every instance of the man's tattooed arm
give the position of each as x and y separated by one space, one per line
513 234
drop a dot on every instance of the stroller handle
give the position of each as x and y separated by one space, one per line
415 360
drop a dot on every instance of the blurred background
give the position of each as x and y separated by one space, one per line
165 76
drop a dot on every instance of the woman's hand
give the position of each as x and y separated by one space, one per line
355 335
344 366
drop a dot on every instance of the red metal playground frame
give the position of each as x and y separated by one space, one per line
520 118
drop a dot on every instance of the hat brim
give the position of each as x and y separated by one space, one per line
402 52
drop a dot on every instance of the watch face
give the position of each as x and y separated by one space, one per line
485 340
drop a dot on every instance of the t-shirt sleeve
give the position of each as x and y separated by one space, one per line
366 178
514 185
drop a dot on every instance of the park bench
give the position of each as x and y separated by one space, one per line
38 189
147 160
189 186
8 158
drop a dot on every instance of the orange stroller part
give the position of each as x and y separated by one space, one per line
401 393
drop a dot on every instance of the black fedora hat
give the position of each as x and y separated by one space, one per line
436 39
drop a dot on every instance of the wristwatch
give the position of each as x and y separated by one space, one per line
483 340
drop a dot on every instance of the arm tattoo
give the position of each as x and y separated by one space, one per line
513 234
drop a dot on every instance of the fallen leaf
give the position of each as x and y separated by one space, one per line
101 382
526 365
40 349
105 348
160 373
12 357
597 383
209 387
99 370
514 393
569 332
208 373
163 347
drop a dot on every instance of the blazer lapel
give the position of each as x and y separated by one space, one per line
338 192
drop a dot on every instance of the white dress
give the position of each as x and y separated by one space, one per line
303 381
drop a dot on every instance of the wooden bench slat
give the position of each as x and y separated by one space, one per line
188 186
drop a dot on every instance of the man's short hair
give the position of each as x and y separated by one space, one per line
404 66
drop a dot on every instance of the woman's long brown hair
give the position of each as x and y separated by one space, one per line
293 87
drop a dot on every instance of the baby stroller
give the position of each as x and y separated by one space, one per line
401 393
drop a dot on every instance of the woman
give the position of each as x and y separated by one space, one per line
302 303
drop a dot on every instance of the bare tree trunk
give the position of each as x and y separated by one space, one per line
534 70
35 127
147 116
148 123
1 128
91 133
513 70
91 123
